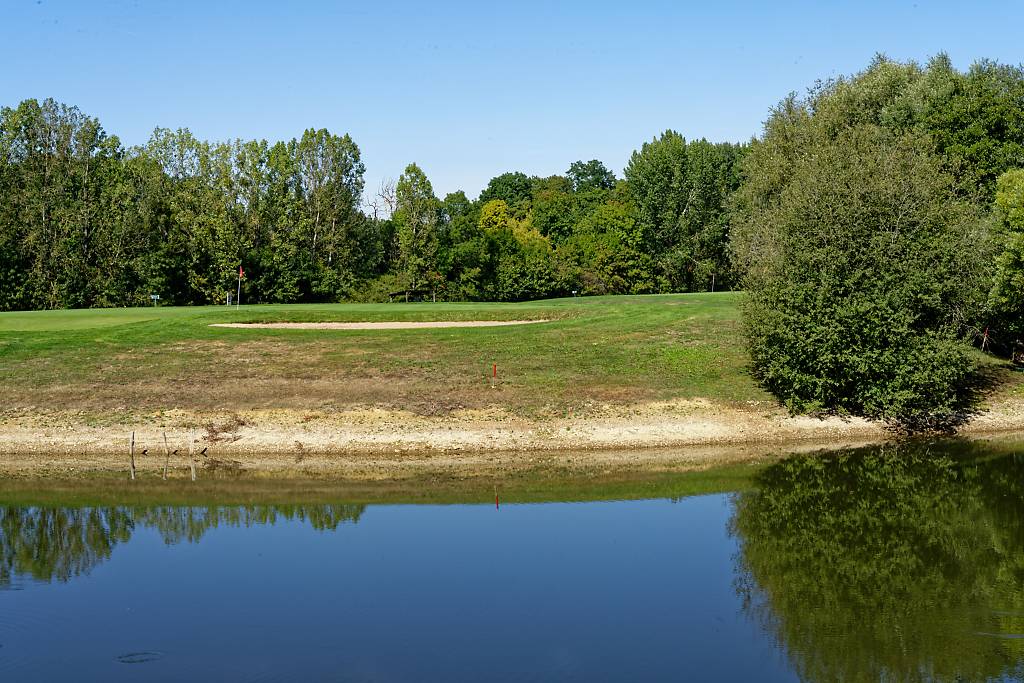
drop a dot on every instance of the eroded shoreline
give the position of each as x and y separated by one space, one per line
380 444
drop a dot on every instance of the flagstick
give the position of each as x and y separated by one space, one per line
238 297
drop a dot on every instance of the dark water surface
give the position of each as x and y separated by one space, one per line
888 564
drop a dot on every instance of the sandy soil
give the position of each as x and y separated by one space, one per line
390 325
374 443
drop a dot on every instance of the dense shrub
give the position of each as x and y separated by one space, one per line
861 270
1007 297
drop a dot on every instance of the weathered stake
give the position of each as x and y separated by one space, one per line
167 455
131 455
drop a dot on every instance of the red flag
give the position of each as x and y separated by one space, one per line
241 273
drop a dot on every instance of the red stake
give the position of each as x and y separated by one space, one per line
495 375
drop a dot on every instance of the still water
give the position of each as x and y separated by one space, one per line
899 564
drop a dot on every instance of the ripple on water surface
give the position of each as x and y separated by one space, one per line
140 657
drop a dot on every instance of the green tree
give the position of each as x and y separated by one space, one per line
605 253
513 188
463 255
520 259
198 212
590 175
329 182
1007 296
681 192
553 207
417 219
861 270
657 181
54 161
975 119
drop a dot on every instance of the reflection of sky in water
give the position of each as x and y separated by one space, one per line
590 591
895 564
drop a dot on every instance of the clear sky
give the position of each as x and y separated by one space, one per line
468 89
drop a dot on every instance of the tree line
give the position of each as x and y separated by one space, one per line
88 222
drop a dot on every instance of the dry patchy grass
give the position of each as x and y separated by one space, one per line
602 350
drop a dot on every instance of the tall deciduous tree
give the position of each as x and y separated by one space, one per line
681 192
329 181
54 162
417 219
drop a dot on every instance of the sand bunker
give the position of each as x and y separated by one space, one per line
391 325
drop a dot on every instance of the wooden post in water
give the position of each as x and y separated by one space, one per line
167 455
191 458
131 455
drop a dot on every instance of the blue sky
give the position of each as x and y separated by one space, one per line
467 89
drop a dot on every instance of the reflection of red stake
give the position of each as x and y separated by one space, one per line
496 497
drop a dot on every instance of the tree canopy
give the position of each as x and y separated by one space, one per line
1007 296
85 222
863 234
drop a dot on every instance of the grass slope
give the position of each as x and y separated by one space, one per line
595 350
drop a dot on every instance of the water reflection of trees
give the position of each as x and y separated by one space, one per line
58 543
62 543
178 524
901 564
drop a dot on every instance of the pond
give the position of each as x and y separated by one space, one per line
903 563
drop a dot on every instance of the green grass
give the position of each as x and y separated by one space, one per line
594 350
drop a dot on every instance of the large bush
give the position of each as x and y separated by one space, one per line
861 270
1007 296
